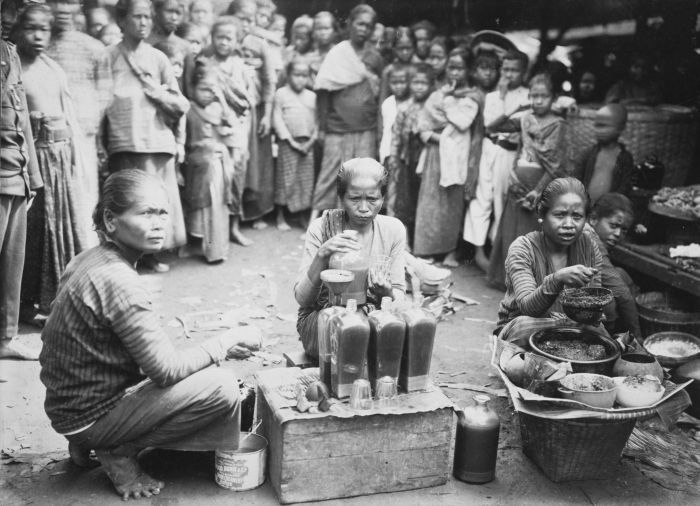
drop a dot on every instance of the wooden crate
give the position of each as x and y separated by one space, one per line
343 453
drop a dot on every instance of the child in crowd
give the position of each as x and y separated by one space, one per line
385 45
323 33
638 87
423 33
586 89
295 123
406 147
437 58
486 67
236 82
608 222
403 53
97 18
110 34
542 157
196 35
451 127
201 14
263 16
278 26
606 166
168 15
398 86
300 45
498 153
56 228
208 168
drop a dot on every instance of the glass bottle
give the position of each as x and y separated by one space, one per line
476 445
349 338
357 263
387 332
417 348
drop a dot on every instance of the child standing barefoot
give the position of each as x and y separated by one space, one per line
56 228
237 85
208 167
294 120
542 158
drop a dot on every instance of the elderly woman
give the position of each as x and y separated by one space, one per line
114 381
347 86
361 186
541 264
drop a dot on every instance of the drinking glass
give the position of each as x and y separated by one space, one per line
387 392
361 395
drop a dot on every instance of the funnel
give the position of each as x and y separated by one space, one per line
337 280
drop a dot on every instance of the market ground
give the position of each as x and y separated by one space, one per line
255 286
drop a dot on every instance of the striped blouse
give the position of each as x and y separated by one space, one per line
103 337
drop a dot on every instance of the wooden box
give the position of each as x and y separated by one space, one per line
344 453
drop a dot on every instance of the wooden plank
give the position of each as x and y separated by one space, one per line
661 271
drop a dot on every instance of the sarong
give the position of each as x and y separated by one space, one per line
55 225
259 194
339 148
440 210
294 184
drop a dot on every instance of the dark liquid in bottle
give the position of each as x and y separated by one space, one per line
349 341
418 350
476 449
387 334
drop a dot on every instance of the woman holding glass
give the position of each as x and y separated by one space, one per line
357 227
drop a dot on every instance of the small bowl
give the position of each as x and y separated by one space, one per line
593 389
673 348
638 391
585 305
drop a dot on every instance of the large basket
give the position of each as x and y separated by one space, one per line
663 312
569 450
667 131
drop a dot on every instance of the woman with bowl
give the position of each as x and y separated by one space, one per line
541 264
115 383
361 185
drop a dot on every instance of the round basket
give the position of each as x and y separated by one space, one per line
663 312
668 131
568 450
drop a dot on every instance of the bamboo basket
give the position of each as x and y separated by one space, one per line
664 312
668 131
579 449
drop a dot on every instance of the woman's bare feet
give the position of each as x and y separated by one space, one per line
81 457
126 475
481 259
450 260
13 349
283 226
259 224
239 238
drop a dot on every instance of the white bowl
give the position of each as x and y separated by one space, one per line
638 391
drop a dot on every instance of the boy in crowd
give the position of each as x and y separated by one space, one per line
607 166
498 153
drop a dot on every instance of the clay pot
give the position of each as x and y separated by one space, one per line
638 364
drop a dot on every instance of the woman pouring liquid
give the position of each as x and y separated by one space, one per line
356 227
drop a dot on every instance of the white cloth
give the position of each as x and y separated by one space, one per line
341 68
455 140
389 111
494 106
491 189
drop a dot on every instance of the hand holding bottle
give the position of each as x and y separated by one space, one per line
344 242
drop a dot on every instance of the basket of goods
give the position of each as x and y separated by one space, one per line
585 350
680 211
585 305
574 426
662 312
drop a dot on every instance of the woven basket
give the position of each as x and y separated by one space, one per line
667 131
569 450
679 315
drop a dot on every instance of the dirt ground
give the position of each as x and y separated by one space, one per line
255 286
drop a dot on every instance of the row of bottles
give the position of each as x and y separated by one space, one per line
386 343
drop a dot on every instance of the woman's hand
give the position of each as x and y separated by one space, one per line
379 284
241 342
576 275
340 243
529 200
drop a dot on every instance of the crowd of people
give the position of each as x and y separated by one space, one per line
239 123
